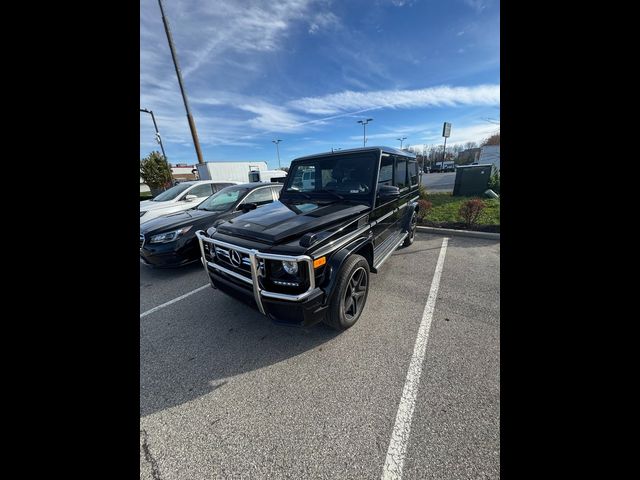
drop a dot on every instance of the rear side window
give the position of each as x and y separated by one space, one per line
413 173
276 191
203 190
401 173
386 171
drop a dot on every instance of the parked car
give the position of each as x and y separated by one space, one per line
170 240
182 196
307 257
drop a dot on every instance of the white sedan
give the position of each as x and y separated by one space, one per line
183 196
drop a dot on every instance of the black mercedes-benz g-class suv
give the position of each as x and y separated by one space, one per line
307 257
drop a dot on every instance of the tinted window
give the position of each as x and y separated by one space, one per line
259 197
413 173
204 190
401 173
344 174
386 171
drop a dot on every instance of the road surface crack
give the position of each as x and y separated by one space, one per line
155 471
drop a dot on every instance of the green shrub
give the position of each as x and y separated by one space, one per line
494 183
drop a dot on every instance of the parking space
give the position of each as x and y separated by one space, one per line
224 393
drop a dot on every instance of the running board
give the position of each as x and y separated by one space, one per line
388 250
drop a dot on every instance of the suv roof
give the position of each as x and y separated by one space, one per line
390 150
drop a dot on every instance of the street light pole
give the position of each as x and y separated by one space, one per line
277 150
401 139
192 125
158 137
364 130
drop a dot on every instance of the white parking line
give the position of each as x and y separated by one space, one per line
400 437
166 304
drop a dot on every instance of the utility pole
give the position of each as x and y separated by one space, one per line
192 125
364 130
277 150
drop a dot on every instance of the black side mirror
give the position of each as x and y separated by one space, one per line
388 192
247 207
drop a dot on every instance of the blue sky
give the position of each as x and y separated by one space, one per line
305 71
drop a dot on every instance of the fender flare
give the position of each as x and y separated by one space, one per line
334 264
406 219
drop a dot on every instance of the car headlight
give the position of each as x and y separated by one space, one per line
169 236
142 212
290 267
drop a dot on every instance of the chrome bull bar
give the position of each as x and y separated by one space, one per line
254 257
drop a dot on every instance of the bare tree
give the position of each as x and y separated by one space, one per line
492 140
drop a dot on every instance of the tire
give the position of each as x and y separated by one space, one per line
342 313
412 230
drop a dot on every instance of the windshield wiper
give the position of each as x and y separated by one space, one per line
299 192
338 196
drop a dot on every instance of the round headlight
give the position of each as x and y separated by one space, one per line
290 267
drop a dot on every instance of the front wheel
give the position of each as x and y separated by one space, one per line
413 224
350 294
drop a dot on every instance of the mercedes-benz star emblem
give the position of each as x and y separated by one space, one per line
235 257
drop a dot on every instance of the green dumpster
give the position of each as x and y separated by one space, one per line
472 180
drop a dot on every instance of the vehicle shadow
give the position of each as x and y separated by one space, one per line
186 354
153 273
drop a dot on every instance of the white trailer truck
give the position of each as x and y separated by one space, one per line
239 172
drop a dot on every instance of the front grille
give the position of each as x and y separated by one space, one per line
234 260
141 240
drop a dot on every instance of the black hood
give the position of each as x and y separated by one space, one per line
200 219
277 221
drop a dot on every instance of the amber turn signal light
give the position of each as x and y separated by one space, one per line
318 262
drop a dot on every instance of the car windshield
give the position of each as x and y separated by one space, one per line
223 200
339 175
172 193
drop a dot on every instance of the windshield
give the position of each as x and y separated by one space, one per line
342 175
172 193
223 200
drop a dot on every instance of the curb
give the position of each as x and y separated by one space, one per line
459 233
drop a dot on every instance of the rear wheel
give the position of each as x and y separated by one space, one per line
413 223
350 295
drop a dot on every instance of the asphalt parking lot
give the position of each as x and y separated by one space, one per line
439 182
224 393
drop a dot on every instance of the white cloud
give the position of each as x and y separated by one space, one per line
427 97
271 117
208 33
477 5
326 20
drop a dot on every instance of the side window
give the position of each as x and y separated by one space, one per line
413 173
386 171
276 191
262 196
400 179
203 190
